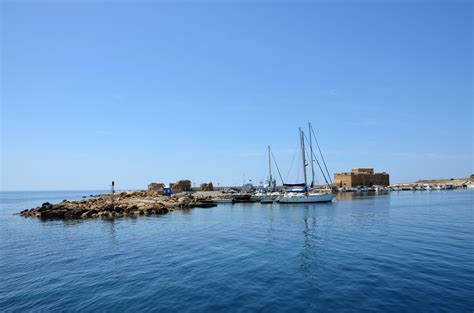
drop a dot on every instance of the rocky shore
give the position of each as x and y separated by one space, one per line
118 205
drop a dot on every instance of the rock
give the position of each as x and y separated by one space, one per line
142 202
118 209
184 200
170 205
75 213
86 214
53 214
45 207
57 207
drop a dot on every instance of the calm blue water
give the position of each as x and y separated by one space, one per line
402 252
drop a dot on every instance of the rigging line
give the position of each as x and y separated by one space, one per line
308 160
322 157
319 165
278 169
291 164
316 180
312 173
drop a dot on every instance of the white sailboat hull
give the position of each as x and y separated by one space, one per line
309 198
268 197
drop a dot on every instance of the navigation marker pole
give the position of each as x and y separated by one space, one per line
113 192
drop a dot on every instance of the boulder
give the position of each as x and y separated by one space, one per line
53 214
184 201
75 213
45 207
86 214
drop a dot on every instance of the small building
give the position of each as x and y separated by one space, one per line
206 187
156 187
181 185
361 177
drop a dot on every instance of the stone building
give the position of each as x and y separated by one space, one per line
181 185
207 187
361 177
156 187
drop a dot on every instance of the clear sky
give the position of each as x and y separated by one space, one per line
141 91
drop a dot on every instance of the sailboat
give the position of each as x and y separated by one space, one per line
269 195
300 193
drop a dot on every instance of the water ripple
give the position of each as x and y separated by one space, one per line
394 253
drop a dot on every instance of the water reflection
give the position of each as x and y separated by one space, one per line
309 255
341 196
270 231
374 211
110 222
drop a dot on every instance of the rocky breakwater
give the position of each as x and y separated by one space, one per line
122 204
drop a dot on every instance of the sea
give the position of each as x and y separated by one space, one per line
407 251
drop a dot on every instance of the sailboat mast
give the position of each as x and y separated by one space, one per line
304 158
311 153
270 166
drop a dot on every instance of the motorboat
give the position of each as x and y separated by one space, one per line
427 187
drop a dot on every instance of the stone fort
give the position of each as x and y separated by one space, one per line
361 177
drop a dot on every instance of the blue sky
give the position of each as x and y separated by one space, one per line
157 91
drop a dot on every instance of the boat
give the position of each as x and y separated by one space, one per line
300 193
309 197
257 197
265 196
205 205
242 198
427 187
269 200
270 197
219 201
268 193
